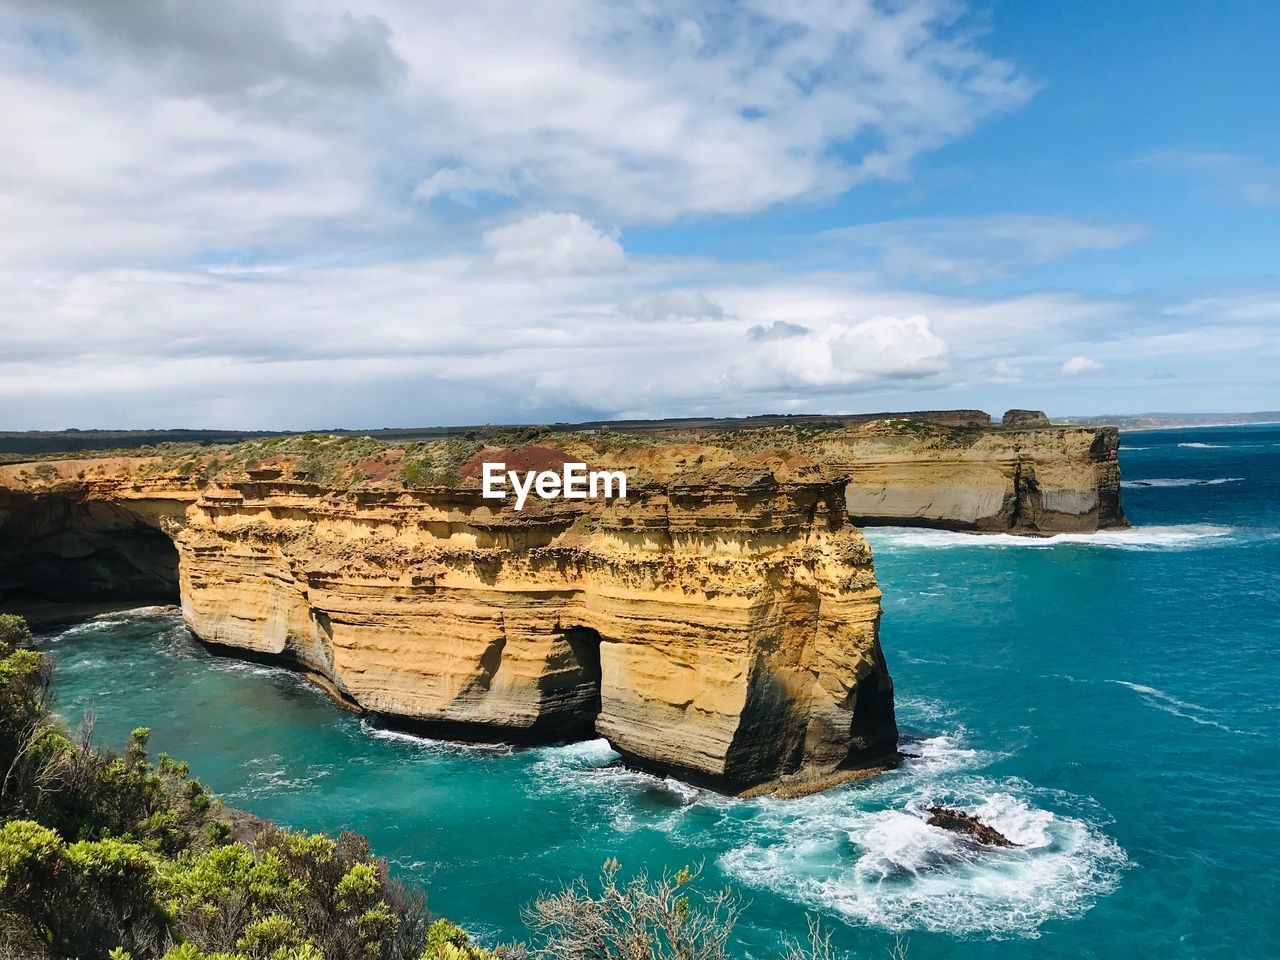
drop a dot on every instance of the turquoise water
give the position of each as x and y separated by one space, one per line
1112 703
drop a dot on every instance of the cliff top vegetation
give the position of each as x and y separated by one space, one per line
344 461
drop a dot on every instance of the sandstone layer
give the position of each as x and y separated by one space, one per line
720 623
1036 480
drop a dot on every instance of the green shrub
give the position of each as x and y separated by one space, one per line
448 941
14 633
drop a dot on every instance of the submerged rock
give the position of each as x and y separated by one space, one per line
957 821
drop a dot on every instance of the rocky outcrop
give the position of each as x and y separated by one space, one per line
957 821
720 623
1024 420
1024 481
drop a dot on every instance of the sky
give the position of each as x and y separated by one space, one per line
407 212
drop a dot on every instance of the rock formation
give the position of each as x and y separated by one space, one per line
1035 481
1024 419
957 821
720 623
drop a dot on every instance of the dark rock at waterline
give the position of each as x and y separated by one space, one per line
957 821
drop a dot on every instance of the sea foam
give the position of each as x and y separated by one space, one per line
1179 482
867 854
889 868
1174 536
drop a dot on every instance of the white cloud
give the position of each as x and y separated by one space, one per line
459 339
247 124
461 184
86 180
553 243
845 354
672 306
778 330
969 250
1005 372
1078 365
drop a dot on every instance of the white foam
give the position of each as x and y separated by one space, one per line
1206 446
1179 708
1135 538
889 868
116 618
429 743
941 753
1179 482
584 752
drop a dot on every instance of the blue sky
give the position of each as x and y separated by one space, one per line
392 213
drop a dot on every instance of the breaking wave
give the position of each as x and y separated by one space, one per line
1179 482
116 618
271 775
1206 446
430 743
1172 537
887 867
1179 708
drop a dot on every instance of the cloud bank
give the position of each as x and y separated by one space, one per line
374 213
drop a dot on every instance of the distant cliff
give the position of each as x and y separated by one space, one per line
1037 480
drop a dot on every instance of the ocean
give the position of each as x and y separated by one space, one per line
1109 702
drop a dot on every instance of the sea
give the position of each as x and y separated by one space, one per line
1111 703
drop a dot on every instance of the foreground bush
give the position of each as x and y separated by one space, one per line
666 919
104 852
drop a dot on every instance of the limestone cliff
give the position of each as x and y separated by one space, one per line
1041 480
720 623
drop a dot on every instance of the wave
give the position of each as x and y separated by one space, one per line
1179 482
118 618
1168 703
270 775
432 744
942 753
1207 446
1177 536
565 766
889 868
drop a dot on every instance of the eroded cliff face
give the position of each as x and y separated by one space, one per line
720 623
1044 480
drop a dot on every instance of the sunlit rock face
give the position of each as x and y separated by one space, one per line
719 624
1022 480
